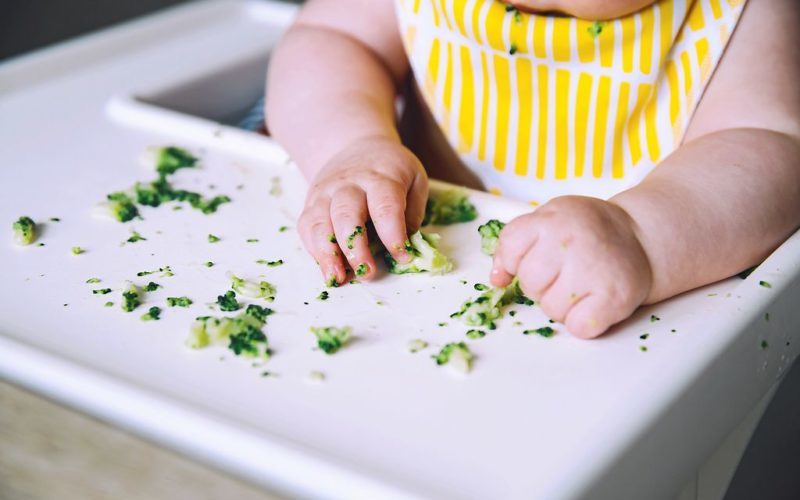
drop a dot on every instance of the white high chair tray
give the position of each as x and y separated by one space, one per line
537 417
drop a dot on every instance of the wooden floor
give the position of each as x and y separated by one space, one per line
50 452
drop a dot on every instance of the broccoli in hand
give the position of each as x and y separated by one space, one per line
425 257
490 232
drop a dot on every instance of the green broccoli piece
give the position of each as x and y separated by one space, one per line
149 194
260 290
457 355
209 264
151 287
358 230
323 295
135 236
332 283
449 207
24 230
490 232
416 345
425 257
475 334
93 280
331 338
544 331
211 206
121 206
170 159
101 291
596 28
228 302
77 250
152 314
362 269
484 310
212 238
242 333
179 301
131 297
270 263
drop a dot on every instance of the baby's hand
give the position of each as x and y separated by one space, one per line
373 179
580 259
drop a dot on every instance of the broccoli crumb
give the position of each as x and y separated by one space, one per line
24 230
332 238
457 355
152 314
165 271
316 377
151 287
475 334
596 28
179 301
765 284
416 345
766 316
544 331
121 206
109 304
449 207
77 250
644 336
170 158
362 269
443 323
55 219
270 263
323 295
512 313
93 280
228 302
654 318
330 338
480 287
764 344
131 298
513 49
643 348
332 283
358 230
212 238
101 291
252 240
490 233
283 229
208 264
135 236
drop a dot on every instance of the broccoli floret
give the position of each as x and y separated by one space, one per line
425 257
456 355
131 297
242 334
121 206
151 287
24 230
331 338
485 309
179 301
260 290
449 207
490 232
170 159
228 302
148 194
152 314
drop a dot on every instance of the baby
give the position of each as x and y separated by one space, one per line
660 139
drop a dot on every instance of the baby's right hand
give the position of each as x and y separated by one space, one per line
374 179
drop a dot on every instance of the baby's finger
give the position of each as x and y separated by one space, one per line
349 217
416 199
516 239
539 270
590 317
316 231
387 209
562 295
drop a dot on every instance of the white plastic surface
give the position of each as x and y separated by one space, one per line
537 418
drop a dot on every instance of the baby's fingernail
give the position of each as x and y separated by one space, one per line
402 256
496 271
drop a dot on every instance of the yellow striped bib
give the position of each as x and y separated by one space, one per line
545 105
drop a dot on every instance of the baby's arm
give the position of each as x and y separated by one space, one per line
721 203
330 102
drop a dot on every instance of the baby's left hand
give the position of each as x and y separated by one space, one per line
580 259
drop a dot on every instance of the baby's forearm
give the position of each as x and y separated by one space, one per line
317 105
716 206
